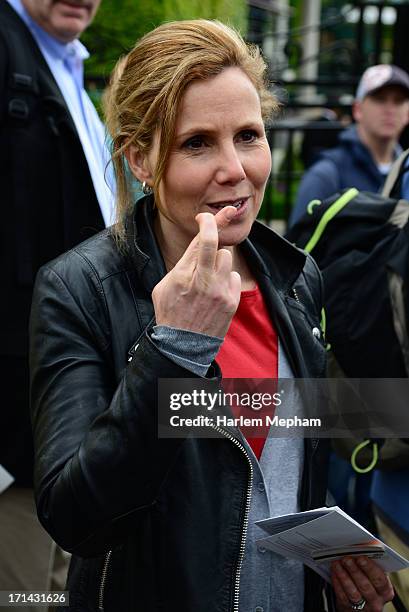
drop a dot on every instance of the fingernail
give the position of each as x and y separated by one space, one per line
348 562
362 562
230 212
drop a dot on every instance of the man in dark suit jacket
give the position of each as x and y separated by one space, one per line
52 193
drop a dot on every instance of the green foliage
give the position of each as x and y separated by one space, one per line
233 12
120 23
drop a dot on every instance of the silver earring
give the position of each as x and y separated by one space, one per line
147 189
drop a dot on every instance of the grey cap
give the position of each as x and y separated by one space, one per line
381 75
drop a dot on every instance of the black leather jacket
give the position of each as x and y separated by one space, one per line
171 511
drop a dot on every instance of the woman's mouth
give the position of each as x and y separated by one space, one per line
240 204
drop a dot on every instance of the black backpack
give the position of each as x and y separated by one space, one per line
360 241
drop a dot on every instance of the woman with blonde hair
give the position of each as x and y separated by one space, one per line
185 285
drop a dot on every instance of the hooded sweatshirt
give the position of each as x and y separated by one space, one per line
350 164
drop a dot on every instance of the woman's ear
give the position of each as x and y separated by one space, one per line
139 165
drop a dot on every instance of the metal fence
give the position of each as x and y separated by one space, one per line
295 144
375 32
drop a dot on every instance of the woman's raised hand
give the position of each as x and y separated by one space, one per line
202 292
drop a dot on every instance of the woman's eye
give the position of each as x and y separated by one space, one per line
248 135
195 143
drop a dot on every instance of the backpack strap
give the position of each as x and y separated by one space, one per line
394 177
398 604
21 86
400 214
329 214
21 94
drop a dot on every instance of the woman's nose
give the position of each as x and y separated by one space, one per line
230 167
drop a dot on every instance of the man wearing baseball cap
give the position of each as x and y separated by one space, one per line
367 149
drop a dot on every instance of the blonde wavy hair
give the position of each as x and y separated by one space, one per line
148 84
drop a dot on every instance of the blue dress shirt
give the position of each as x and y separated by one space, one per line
65 61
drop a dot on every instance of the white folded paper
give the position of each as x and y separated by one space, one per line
317 537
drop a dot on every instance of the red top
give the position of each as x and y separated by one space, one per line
250 348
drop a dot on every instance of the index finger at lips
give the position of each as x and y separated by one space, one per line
224 216
208 242
207 237
209 228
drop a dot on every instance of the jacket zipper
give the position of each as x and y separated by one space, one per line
295 294
134 347
243 533
103 581
246 516
132 351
